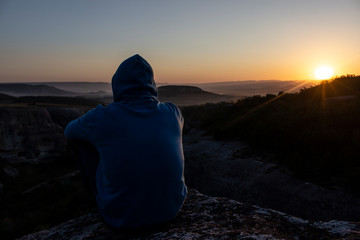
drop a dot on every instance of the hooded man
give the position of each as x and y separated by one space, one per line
140 175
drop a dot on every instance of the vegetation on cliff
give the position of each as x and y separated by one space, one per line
315 132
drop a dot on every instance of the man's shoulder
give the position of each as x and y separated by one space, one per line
174 110
170 106
95 112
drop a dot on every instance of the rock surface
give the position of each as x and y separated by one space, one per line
204 217
28 134
31 134
11 172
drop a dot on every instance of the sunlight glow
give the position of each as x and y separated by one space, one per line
324 72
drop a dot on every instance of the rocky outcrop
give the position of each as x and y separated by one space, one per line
204 217
31 134
28 134
63 115
11 172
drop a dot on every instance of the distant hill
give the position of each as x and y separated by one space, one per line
189 95
81 87
22 89
4 97
178 90
57 100
252 87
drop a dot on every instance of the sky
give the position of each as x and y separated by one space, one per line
185 41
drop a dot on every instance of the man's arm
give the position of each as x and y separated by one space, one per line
177 113
82 127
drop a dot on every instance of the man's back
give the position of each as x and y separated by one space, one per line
139 179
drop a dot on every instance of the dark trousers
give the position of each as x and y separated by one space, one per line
88 161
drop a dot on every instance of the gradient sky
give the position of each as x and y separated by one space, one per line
184 41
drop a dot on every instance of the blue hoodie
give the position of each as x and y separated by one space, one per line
140 176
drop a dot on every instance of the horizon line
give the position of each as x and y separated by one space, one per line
167 83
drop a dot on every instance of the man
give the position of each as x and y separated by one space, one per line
139 178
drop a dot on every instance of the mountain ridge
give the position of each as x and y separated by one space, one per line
22 89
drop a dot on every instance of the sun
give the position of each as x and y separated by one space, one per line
324 72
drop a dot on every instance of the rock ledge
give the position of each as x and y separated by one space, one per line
204 217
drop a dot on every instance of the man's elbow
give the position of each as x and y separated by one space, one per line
68 130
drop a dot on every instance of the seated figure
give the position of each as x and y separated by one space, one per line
136 166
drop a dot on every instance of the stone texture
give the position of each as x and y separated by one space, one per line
28 134
204 217
32 134
11 172
63 115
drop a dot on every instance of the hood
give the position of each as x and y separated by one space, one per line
133 79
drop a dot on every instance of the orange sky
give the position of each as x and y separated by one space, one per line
185 41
